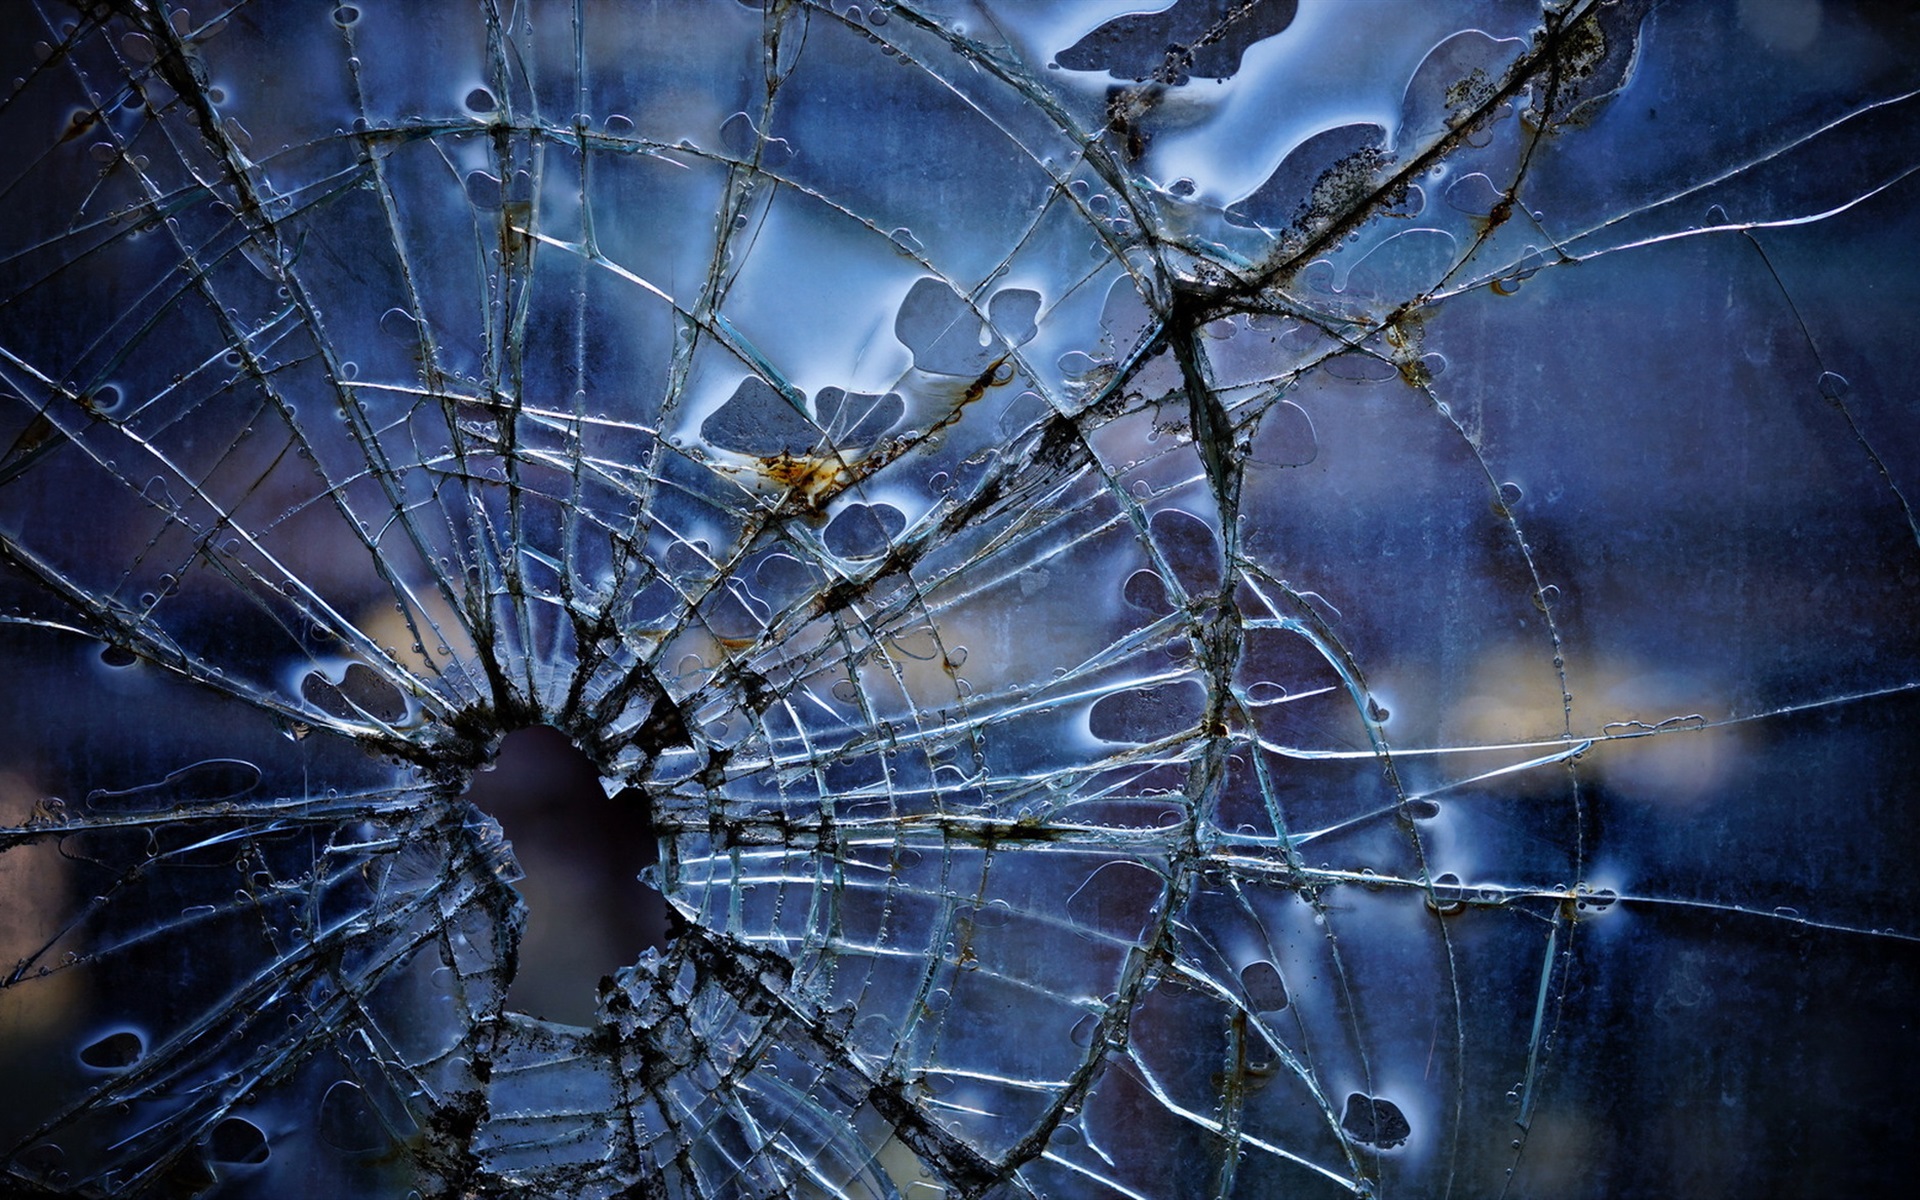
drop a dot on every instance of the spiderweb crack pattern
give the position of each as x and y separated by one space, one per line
1248 599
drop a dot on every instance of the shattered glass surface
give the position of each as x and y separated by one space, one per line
1292 599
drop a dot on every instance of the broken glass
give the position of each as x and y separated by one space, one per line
1231 599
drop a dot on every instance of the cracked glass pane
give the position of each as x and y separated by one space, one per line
937 599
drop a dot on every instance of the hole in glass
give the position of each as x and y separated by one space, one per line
581 851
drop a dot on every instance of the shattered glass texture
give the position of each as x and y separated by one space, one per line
1202 600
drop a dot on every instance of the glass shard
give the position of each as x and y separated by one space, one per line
950 599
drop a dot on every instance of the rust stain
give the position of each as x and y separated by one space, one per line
811 479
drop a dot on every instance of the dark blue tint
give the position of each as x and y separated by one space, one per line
1108 599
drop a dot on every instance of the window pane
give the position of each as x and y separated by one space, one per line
957 600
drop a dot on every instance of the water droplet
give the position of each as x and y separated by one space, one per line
235 1140
114 1051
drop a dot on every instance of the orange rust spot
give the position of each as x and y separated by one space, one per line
812 480
1403 333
